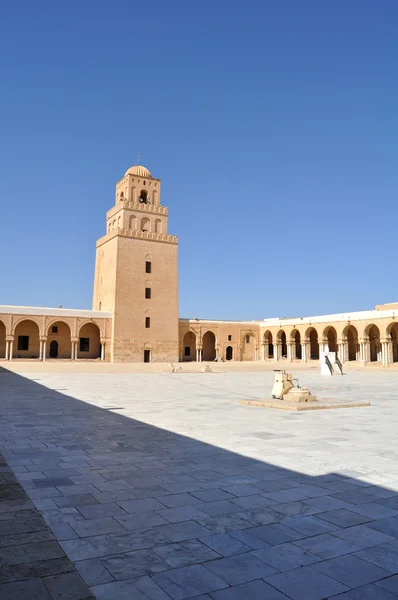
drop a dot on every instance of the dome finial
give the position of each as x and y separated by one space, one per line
138 160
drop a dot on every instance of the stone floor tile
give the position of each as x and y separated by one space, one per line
286 556
142 520
388 526
97 511
390 584
225 544
185 553
344 518
141 505
328 503
306 583
241 490
15 555
326 545
175 500
220 507
68 586
114 496
178 532
25 538
351 570
374 510
240 568
309 526
182 513
73 490
225 523
92 547
36 569
52 482
143 588
312 491
284 496
246 538
383 555
274 533
261 517
134 564
372 591
360 496
32 589
138 539
212 495
187 582
91 527
297 509
254 502
72 501
254 590
363 536
93 572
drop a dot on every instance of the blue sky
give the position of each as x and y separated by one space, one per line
272 124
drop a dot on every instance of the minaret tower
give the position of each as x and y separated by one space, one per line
136 272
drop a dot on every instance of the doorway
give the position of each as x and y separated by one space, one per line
54 349
147 356
229 353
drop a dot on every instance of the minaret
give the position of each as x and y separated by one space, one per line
136 272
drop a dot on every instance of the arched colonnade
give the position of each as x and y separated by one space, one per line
364 344
38 338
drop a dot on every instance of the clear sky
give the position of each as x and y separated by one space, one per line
272 124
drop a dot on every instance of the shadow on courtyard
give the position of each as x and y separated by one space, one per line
148 513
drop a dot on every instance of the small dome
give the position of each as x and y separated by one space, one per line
138 170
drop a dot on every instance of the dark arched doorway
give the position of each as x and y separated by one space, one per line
284 344
374 343
331 336
394 341
189 346
352 342
297 345
209 346
229 353
314 345
53 349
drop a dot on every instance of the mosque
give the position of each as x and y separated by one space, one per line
134 316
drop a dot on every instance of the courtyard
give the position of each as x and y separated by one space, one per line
158 485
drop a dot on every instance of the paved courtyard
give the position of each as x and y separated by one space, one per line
160 486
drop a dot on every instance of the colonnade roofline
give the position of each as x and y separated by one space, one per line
59 312
349 316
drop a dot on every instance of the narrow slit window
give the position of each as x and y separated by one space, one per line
148 293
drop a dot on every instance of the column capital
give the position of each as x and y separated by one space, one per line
43 338
74 339
9 338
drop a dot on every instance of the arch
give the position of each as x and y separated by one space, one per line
209 346
133 223
229 353
109 226
296 338
119 222
373 334
145 224
350 333
281 337
248 345
121 195
89 344
60 332
331 336
132 193
189 346
27 339
158 226
114 224
143 199
268 339
312 335
2 340
392 332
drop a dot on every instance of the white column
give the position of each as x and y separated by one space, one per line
197 355
11 345
75 351
41 350
289 352
7 348
304 352
276 351
72 348
102 350
255 354
44 350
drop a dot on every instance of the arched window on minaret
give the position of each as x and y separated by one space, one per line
145 224
132 193
121 196
133 223
158 226
143 197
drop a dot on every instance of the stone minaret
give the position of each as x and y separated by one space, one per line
136 272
